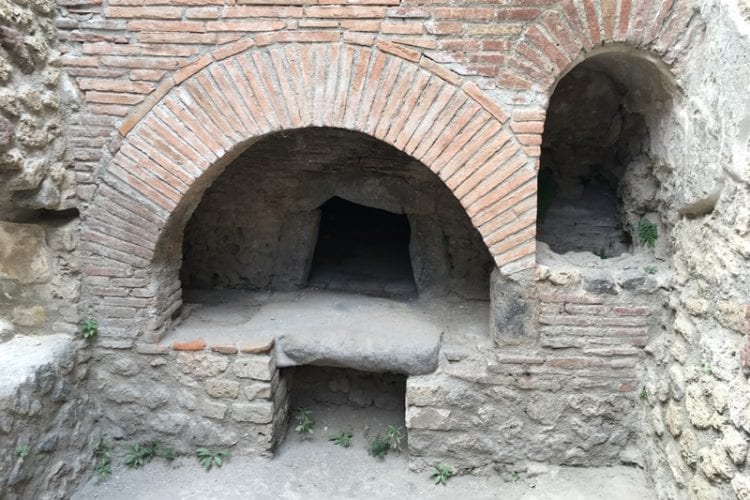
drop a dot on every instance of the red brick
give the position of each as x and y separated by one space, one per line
202 13
487 103
408 12
191 345
125 86
623 20
113 98
233 48
465 13
276 11
170 26
358 25
152 75
402 52
608 13
592 20
345 12
144 12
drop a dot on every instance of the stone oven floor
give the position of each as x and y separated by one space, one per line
313 326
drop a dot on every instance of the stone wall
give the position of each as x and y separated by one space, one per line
696 379
189 395
38 271
565 390
46 411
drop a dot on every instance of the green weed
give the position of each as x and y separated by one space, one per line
441 473
208 459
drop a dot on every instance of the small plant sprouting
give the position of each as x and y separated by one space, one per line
89 328
208 459
649 269
138 454
305 423
601 253
393 436
643 395
343 439
23 451
441 473
647 233
515 476
379 447
707 369
102 455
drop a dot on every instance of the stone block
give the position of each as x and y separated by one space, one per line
24 256
257 367
222 388
202 364
257 412
599 281
257 390
735 444
29 316
428 418
211 409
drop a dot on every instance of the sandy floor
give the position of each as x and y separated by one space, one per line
314 468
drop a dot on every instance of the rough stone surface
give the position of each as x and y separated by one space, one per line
42 407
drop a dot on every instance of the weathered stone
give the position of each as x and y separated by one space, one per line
23 253
257 412
598 281
741 486
257 390
657 421
701 489
699 412
258 346
674 419
690 447
211 409
156 397
256 367
7 131
202 364
428 418
720 396
222 388
715 463
735 444
677 382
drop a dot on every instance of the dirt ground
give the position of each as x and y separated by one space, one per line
314 468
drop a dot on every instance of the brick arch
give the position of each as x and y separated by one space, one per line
570 32
214 109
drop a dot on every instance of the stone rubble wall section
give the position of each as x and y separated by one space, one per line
39 278
35 168
696 373
568 393
190 394
52 414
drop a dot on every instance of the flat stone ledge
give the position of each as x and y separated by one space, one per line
23 355
319 328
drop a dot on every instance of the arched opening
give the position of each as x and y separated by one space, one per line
334 209
362 249
311 235
598 179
